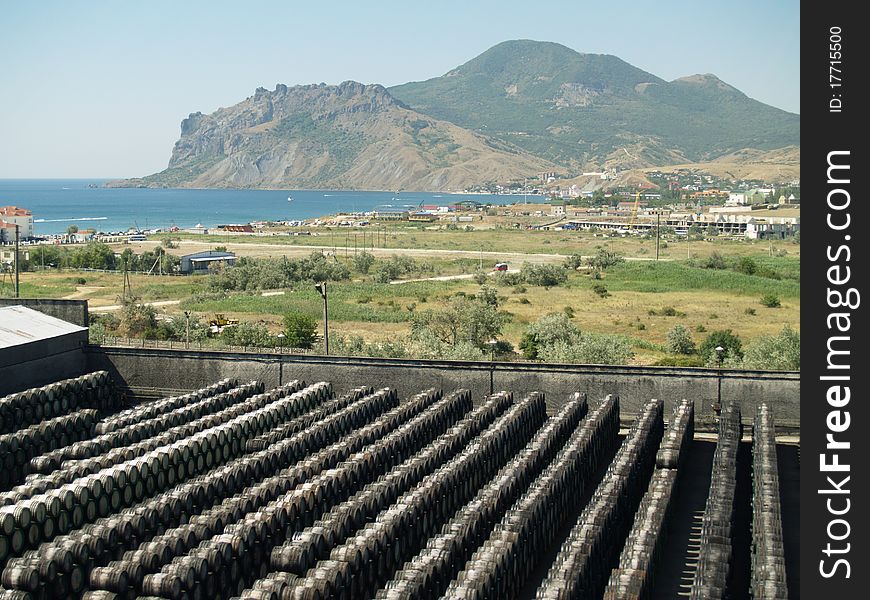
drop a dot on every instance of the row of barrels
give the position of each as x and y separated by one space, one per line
768 552
147 428
17 450
714 566
260 495
156 408
304 549
368 559
288 429
21 409
200 491
634 576
503 562
76 469
43 516
301 506
583 564
230 487
428 573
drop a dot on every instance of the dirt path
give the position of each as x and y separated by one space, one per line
114 307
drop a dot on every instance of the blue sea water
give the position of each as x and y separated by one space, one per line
58 203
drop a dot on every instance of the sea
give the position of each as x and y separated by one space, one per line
58 203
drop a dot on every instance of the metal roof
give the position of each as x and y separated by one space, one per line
20 325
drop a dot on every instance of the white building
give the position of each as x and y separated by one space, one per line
10 216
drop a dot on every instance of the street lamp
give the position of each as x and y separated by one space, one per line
492 344
321 288
187 330
720 351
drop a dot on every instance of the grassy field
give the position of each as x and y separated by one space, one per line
640 292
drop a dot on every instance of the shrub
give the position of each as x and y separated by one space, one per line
781 352
604 259
524 301
589 348
714 261
248 334
488 295
679 341
300 330
546 331
479 277
723 337
575 261
600 290
569 311
749 311
746 266
363 261
770 301
544 275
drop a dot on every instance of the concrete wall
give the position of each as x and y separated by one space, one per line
151 372
71 311
42 362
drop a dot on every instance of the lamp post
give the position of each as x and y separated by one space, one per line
720 351
492 344
187 330
321 288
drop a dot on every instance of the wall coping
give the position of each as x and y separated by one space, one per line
529 367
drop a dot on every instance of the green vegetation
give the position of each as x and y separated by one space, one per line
300 330
679 341
770 301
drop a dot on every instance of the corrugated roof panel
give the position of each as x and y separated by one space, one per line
21 325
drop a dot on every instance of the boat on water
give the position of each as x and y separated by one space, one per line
289 198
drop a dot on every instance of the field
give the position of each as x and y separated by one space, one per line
640 292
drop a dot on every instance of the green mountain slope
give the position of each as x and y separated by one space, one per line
582 109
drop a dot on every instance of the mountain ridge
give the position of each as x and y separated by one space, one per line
519 108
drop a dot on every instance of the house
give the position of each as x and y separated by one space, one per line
199 262
10 216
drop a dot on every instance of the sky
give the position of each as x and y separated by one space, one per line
98 89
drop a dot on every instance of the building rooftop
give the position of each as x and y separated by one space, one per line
20 325
14 211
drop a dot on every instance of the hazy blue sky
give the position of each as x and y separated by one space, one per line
99 88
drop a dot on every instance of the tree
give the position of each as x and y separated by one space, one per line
546 331
464 320
248 334
137 320
725 338
574 262
679 341
300 330
72 229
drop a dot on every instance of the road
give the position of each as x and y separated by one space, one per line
114 307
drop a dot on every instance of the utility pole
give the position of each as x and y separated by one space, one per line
17 289
321 287
658 220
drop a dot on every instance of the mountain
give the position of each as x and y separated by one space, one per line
585 110
520 108
350 136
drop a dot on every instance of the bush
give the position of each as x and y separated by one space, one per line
781 352
546 331
248 334
727 339
574 262
488 295
591 349
749 311
679 341
300 330
604 259
363 261
714 261
600 290
544 275
746 266
770 301
479 277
